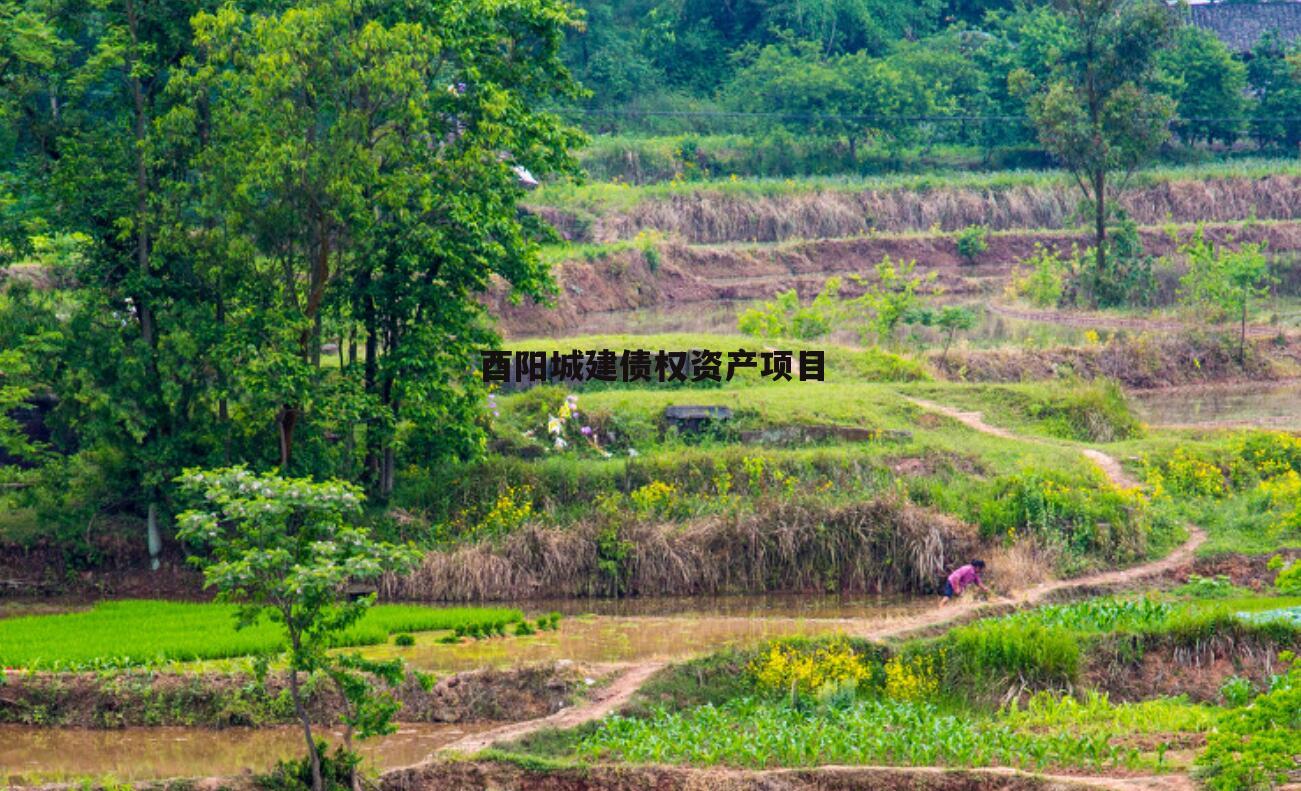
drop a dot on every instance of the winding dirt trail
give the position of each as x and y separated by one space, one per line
614 696
604 701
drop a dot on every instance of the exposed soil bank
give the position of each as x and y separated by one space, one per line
684 275
1247 571
486 775
217 700
1136 363
711 217
1129 672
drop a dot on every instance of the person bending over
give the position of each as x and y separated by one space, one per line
962 578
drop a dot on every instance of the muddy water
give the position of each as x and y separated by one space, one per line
1270 405
30 756
654 629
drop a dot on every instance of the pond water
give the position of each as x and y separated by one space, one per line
1268 405
654 629
31 756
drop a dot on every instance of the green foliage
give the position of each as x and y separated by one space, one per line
784 317
1094 412
1237 691
1254 746
1093 713
151 633
1199 587
1288 579
1211 92
755 733
993 653
404 640
1080 519
972 242
336 771
200 281
1040 278
1100 615
1275 81
287 549
888 299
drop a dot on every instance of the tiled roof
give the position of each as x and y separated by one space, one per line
1240 25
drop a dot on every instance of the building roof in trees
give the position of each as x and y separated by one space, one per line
1240 25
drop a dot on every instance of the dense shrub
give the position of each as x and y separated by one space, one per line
972 242
1255 746
1083 518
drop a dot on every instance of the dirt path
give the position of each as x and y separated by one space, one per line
606 700
975 420
486 775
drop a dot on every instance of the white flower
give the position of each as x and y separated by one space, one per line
554 424
633 452
560 443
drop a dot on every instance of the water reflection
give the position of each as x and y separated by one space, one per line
654 629
30 756
1270 405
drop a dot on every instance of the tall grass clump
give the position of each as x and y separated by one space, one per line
1006 654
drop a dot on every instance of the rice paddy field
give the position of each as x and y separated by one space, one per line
139 633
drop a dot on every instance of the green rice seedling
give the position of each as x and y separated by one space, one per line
146 632
523 629
405 639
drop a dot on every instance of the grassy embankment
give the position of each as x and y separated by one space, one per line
816 477
614 196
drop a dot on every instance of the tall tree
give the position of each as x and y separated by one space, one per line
84 128
1210 86
364 157
1097 111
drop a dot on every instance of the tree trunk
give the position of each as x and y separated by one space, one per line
301 711
1242 337
285 421
155 540
1099 228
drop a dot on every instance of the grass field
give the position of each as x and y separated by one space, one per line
607 196
147 632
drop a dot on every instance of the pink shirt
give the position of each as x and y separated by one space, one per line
963 577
